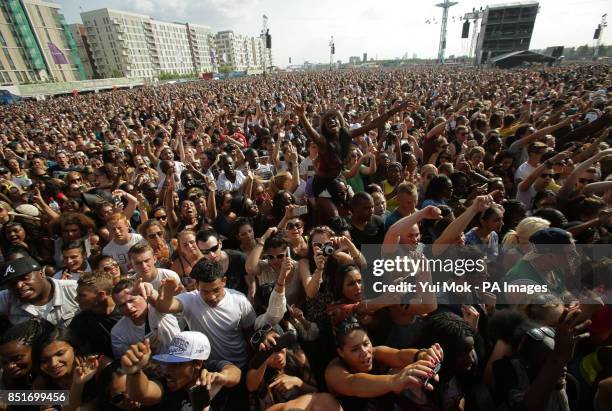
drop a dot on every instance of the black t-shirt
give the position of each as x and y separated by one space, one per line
95 329
236 272
372 233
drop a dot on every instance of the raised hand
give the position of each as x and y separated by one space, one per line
136 357
85 369
431 213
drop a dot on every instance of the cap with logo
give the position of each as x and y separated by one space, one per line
186 346
18 268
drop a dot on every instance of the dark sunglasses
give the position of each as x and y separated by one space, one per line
549 175
162 217
110 267
272 257
260 335
157 234
212 249
294 226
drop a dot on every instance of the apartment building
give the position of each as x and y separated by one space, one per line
121 43
79 33
37 44
237 52
202 44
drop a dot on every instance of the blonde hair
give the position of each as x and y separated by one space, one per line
278 182
525 229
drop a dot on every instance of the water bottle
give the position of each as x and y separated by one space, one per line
53 204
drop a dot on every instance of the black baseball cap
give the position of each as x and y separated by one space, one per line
18 268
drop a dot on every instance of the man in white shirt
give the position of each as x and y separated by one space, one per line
143 260
223 314
230 179
30 294
122 240
140 321
535 151
307 164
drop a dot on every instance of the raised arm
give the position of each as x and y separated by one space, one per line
380 119
570 181
300 110
459 224
404 224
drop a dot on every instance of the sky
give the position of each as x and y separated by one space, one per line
385 29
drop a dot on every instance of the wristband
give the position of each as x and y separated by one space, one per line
259 242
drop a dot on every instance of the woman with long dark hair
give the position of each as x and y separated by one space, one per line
333 143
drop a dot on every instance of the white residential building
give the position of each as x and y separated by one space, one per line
237 52
120 43
135 45
203 51
172 48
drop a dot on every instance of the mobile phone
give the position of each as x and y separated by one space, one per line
288 252
435 371
199 397
301 210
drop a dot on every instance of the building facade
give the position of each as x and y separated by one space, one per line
79 33
237 52
202 45
37 44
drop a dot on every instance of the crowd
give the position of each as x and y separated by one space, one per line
199 246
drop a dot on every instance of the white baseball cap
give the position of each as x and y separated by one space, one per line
186 346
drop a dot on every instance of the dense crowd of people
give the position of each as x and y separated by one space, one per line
201 245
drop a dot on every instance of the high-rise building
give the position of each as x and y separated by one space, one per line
80 38
37 44
505 28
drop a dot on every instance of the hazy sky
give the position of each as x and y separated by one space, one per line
302 29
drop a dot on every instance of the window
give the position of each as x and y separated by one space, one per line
2 41
9 59
42 20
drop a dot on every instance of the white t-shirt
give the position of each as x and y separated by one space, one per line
125 333
307 168
119 252
222 324
223 184
163 273
526 197
523 172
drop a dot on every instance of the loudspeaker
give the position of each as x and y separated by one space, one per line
268 40
597 32
557 52
465 33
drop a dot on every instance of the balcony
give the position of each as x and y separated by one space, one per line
125 53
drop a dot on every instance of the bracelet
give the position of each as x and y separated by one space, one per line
416 354
259 242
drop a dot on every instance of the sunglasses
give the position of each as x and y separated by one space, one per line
159 234
211 250
294 226
586 180
162 217
547 175
272 257
260 335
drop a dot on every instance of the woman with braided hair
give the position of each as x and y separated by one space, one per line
16 353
